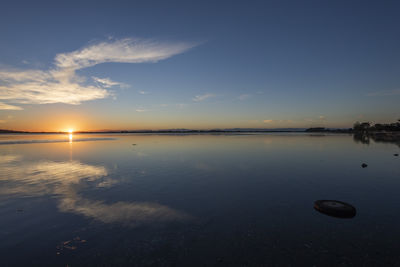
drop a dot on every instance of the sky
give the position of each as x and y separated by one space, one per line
112 65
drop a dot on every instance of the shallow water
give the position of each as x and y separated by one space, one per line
196 200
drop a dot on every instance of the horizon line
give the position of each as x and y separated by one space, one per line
182 130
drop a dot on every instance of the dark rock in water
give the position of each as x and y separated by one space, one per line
335 208
396 155
133 144
364 165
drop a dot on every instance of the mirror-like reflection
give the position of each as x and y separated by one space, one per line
65 179
196 199
70 139
44 177
389 138
130 214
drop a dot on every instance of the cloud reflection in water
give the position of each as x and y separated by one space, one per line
64 179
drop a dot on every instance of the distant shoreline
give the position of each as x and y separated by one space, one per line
179 131
317 130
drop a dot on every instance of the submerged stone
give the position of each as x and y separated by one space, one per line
364 165
335 208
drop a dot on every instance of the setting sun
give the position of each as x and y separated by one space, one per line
70 131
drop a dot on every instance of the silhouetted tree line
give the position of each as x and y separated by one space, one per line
384 133
365 127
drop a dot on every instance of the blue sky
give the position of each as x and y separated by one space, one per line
197 64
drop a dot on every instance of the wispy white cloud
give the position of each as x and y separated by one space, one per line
199 98
4 106
143 92
267 121
59 89
142 110
61 84
124 51
385 93
107 82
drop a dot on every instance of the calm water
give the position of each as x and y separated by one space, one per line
196 200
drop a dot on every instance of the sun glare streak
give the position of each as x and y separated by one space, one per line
70 135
